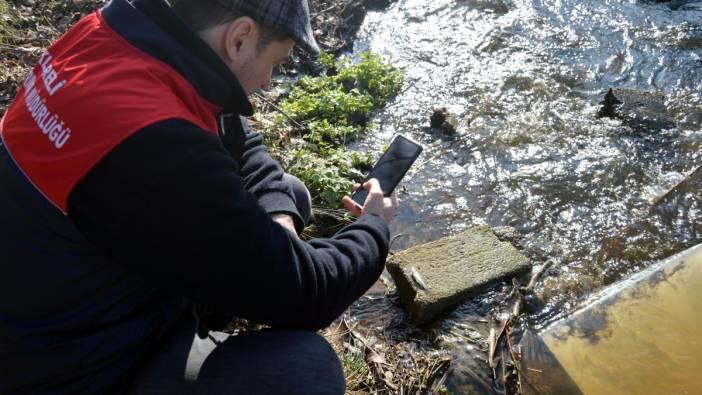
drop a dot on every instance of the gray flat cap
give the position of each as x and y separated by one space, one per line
289 16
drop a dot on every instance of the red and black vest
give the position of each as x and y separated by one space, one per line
90 91
72 320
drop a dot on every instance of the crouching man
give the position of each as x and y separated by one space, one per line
131 189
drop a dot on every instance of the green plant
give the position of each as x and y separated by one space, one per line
357 373
329 111
371 76
344 100
332 176
327 60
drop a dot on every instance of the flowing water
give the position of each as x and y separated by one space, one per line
525 80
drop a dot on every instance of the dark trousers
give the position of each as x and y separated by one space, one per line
303 200
260 362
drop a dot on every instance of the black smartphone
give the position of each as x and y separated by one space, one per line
391 167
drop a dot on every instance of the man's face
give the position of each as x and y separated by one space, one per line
254 67
237 43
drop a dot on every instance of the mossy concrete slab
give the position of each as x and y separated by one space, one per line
434 277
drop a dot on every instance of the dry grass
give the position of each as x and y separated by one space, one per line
5 17
397 359
26 32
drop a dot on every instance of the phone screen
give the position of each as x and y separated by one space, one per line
391 167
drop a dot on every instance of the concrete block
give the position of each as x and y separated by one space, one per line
434 277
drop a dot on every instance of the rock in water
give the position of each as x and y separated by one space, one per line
435 277
609 105
641 110
442 119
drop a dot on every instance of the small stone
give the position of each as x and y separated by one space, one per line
609 105
507 233
442 119
438 117
450 125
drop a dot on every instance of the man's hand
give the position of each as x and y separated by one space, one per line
286 222
376 202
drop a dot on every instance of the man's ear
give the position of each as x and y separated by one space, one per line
238 34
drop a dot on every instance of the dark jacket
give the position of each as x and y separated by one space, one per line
169 217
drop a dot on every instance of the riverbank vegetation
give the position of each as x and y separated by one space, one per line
320 115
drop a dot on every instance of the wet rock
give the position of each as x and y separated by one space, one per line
499 6
442 119
358 118
507 233
640 110
378 5
609 105
435 277
678 4
448 128
438 117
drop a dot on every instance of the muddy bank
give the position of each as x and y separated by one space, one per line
336 22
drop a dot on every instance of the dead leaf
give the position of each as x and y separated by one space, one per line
374 357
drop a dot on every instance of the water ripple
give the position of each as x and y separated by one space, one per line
525 79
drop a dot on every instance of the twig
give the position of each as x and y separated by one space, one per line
19 48
498 335
394 238
318 13
280 110
414 378
674 187
511 351
517 308
536 276
438 383
492 345
408 87
505 390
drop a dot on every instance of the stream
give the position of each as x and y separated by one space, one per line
525 80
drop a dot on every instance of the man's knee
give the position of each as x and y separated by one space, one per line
274 362
319 362
303 199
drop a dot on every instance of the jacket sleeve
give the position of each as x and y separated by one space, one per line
263 176
169 203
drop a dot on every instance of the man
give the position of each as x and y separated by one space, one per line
131 189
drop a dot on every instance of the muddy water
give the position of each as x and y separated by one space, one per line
525 79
